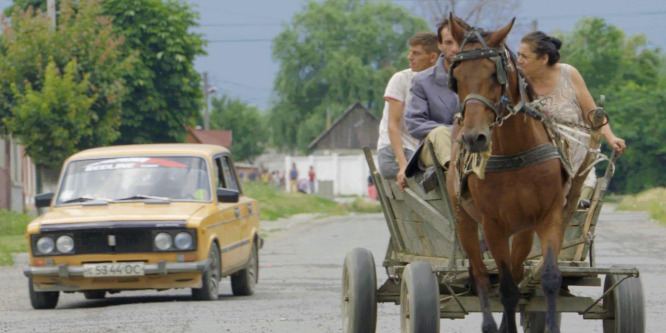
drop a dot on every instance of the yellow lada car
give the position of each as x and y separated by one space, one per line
144 217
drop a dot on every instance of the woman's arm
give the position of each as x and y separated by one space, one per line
586 103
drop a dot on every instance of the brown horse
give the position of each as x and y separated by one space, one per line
516 201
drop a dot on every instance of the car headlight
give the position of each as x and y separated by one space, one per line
45 245
163 241
65 244
183 240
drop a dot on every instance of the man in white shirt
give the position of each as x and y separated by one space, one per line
395 146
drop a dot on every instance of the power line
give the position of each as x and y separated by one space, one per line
257 40
233 25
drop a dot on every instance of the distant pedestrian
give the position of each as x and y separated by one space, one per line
293 179
312 176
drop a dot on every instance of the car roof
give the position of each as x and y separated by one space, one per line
151 149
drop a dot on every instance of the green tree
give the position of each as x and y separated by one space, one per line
28 42
632 76
60 111
246 123
164 89
24 4
332 54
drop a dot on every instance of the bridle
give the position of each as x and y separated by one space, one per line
503 108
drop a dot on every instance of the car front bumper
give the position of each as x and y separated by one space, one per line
159 268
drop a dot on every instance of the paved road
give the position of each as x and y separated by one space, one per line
299 286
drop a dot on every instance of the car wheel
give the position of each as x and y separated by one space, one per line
94 294
243 282
210 279
42 299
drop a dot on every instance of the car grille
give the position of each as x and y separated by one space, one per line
114 237
126 241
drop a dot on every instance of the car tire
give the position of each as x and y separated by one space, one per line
94 294
243 282
42 299
210 278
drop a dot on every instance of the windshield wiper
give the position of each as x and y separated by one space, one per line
85 199
143 197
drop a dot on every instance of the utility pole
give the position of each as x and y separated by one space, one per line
205 88
534 25
51 12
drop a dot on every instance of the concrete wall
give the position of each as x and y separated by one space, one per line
349 173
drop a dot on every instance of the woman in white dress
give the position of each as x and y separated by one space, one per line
564 96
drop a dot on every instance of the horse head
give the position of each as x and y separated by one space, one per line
480 74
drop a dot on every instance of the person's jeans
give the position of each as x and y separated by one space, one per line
388 165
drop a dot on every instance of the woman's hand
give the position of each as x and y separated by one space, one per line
617 144
400 179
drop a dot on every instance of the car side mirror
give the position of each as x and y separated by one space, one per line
43 199
226 195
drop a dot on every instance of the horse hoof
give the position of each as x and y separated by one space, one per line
490 329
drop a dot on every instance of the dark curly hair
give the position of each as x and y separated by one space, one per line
543 44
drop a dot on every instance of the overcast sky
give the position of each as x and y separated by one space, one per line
239 59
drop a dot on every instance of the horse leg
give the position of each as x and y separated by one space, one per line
498 242
520 249
469 239
550 237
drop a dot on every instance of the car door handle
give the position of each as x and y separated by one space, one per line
237 212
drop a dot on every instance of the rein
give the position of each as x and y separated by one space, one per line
480 163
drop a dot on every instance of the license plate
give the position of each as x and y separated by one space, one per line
113 269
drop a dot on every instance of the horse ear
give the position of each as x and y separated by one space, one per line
457 32
499 36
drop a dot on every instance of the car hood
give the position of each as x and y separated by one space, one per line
135 211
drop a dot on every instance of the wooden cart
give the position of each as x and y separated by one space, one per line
428 272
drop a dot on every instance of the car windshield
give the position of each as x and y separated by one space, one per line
167 178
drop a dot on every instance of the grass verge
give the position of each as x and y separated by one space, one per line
12 235
653 201
275 204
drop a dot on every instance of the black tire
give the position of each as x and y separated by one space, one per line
536 322
626 302
419 299
42 299
94 294
359 292
210 279
244 282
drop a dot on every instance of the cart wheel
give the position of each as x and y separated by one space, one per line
626 302
419 299
42 299
536 322
359 292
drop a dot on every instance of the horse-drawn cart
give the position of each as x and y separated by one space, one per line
428 272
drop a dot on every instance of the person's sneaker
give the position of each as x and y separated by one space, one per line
584 204
429 181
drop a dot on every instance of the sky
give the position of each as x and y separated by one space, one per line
239 61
